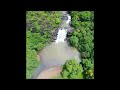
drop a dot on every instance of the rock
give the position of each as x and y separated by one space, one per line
54 38
70 30
70 23
56 31
54 35
64 18
63 12
28 26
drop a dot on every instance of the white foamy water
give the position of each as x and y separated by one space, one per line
63 32
61 35
69 19
57 53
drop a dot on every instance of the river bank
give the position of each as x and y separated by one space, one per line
56 54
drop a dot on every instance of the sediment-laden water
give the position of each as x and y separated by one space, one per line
58 52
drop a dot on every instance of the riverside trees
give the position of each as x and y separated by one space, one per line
83 39
39 27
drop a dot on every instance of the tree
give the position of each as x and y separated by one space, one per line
74 41
85 15
83 39
39 27
88 67
72 70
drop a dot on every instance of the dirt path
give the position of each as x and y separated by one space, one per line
49 73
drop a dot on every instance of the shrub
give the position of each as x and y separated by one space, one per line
39 27
83 39
72 70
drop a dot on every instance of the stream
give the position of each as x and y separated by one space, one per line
59 51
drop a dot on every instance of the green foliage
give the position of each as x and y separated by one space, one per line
88 68
86 15
87 64
39 27
32 44
35 41
83 39
31 61
89 74
65 74
74 40
72 70
40 21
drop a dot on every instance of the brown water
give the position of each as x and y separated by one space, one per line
56 54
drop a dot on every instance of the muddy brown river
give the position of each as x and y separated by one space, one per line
55 55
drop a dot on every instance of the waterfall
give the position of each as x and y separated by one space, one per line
57 54
63 32
69 19
61 35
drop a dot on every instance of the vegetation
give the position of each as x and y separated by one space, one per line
39 28
88 68
72 70
82 39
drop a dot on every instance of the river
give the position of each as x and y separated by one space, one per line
59 51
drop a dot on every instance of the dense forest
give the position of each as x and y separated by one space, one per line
83 39
40 26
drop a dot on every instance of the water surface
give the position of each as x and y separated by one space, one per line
56 54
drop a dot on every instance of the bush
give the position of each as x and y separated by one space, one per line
86 15
72 70
74 41
38 21
83 39
39 27
31 61
88 68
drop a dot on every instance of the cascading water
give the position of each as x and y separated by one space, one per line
63 32
57 53
69 19
61 35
